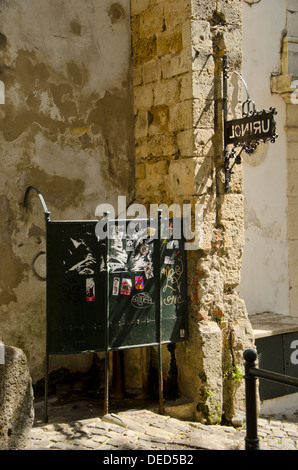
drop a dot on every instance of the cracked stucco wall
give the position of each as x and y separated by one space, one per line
67 128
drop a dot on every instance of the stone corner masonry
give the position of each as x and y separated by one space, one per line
177 49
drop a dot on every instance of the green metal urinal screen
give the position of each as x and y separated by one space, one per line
78 308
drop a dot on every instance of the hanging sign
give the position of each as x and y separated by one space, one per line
260 126
245 133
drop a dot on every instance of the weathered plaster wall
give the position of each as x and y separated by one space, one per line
177 50
288 90
67 128
264 279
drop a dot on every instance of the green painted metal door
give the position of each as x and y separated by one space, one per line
279 354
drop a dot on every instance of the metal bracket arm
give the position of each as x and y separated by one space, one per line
44 206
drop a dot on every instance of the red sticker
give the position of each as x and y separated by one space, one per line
126 286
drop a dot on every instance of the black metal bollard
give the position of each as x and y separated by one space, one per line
251 439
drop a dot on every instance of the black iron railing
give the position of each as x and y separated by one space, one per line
251 375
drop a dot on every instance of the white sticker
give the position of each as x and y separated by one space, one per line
129 245
148 272
116 284
173 244
90 290
169 260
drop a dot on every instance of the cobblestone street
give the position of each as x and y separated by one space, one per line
143 429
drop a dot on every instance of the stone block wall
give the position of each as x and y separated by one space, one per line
162 99
177 62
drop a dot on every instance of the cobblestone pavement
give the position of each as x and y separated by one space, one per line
143 429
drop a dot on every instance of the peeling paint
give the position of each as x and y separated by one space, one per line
67 128
272 231
75 27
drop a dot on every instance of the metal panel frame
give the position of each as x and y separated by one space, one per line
159 340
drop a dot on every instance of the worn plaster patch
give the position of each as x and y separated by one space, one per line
75 27
57 190
11 268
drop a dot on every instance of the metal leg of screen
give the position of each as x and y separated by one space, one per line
107 289
160 372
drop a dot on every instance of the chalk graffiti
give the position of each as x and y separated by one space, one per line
172 287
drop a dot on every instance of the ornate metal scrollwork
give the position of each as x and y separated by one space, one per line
246 133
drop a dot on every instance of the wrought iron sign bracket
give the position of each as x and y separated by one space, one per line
246 133
25 201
